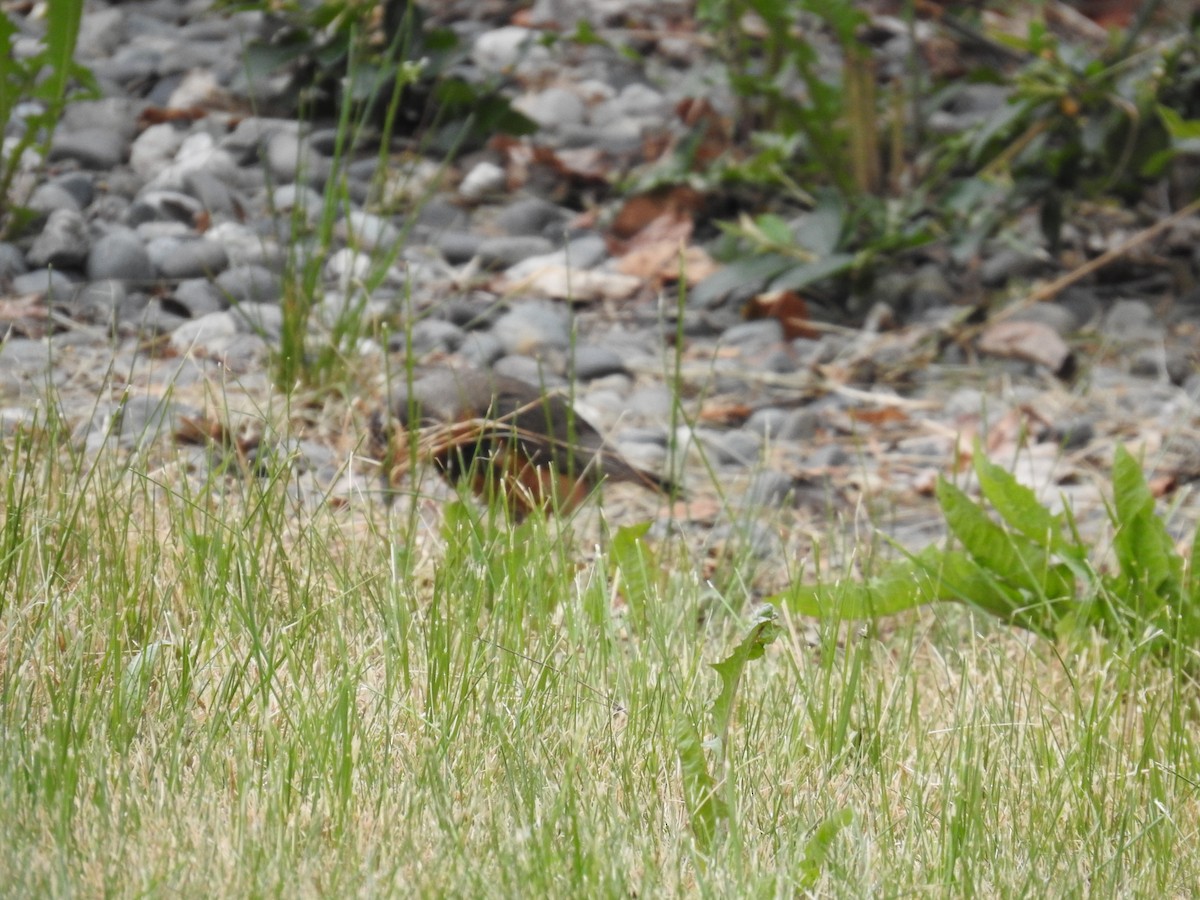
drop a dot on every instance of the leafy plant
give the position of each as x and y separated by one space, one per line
45 81
1031 568
347 51
708 795
1079 124
775 73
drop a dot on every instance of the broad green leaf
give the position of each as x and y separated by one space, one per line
762 632
960 578
1019 507
1145 551
898 588
774 229
1009 556
816 849
635 565
804 274
706 810
1177 126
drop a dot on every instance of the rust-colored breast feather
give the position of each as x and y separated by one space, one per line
503 434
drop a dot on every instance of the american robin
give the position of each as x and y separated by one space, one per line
507 436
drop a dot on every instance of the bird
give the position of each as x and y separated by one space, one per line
507 438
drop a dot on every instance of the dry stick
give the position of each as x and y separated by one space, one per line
1049 291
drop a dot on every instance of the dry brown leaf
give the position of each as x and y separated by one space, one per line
663 263
638 212
1031 341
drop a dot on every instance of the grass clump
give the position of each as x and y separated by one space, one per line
207 685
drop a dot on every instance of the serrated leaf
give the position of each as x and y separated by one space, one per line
1020 508
763 632
900 587
817 847
706 809
635 565
1008 556
1144 548
958 577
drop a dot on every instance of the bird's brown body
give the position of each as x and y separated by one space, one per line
507 436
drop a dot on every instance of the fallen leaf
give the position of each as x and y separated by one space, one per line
664 262
677 202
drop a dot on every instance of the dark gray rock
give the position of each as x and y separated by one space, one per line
54 283
49 197
930 289
213 193
250 284
1131 321
590 362
502 252
92 148
176 258
527 368
440 214
164 206
199 297
119 255
430 335
101 32
458 247
532 327
262 319
80 185
481 348
759 333
1002 264
136 421
159 317
800 424
102 301
1071 434
532 216
12 261
63 244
